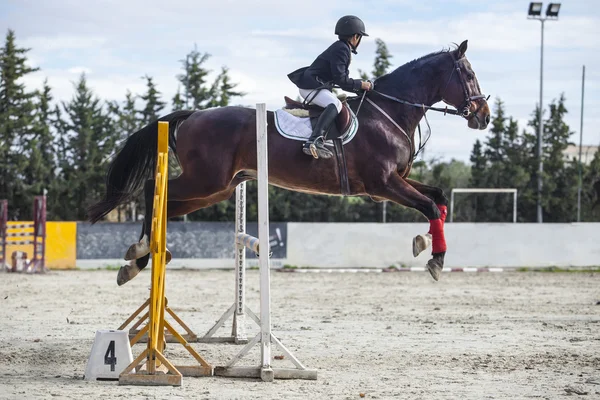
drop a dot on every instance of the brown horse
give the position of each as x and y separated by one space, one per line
216 149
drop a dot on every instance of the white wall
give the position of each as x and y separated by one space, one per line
330 245
356 245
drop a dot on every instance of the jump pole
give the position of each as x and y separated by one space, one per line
265 338
151 367
3 229
33 234
238 309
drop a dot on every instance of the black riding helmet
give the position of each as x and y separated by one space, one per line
350 25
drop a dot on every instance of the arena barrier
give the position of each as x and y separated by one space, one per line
151 367
265 338
28 234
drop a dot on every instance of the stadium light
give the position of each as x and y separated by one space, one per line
552 10
535 9
535 12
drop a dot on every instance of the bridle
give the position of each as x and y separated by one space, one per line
465 108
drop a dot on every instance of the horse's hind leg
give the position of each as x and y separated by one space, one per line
422 242
174 209
138 253
139 250
401 192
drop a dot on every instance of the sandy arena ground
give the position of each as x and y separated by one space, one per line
504 335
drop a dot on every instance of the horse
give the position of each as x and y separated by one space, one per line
216 150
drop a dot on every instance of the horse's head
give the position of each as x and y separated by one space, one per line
462 91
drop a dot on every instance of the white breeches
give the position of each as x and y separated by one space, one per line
322 99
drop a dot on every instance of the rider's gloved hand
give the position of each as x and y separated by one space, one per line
366 85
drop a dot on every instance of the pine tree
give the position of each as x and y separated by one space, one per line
382 61
499 164
193 80
89 138
153 105
478 165
590 196
560 177
127 119
223 90
178 102
16 126
40 172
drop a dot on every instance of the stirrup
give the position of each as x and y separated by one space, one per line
313 151
316 148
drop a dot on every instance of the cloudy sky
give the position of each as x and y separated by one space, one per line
117 42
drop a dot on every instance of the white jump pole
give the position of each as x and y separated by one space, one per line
265 337
266 373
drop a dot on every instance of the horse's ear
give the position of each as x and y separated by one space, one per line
462 49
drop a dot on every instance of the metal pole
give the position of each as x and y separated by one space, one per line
238 328
515 207
541 131
451 205
580 146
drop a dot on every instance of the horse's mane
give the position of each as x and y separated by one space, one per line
400 75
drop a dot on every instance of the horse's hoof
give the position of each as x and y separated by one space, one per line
434 269
435 266
168 256
127 273
137 250
420 243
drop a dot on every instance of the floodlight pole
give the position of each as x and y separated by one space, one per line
540 134
541 130
580 146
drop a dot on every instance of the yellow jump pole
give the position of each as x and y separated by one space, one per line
156 369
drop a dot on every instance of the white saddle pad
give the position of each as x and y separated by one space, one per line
299 128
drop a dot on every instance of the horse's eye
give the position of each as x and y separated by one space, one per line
470 77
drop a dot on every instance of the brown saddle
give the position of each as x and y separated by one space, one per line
342 121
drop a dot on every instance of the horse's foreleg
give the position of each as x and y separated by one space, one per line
400 191
422 242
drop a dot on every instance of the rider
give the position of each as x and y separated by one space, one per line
329 68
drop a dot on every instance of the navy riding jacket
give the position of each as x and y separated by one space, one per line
330 67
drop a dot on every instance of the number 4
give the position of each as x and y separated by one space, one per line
109 357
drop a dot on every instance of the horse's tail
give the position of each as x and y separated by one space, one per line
133 165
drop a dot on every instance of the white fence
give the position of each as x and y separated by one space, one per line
356 245
469 245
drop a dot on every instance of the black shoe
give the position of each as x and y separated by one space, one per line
315 145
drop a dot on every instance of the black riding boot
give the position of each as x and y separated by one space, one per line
315 145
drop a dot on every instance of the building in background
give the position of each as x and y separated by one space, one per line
587 153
